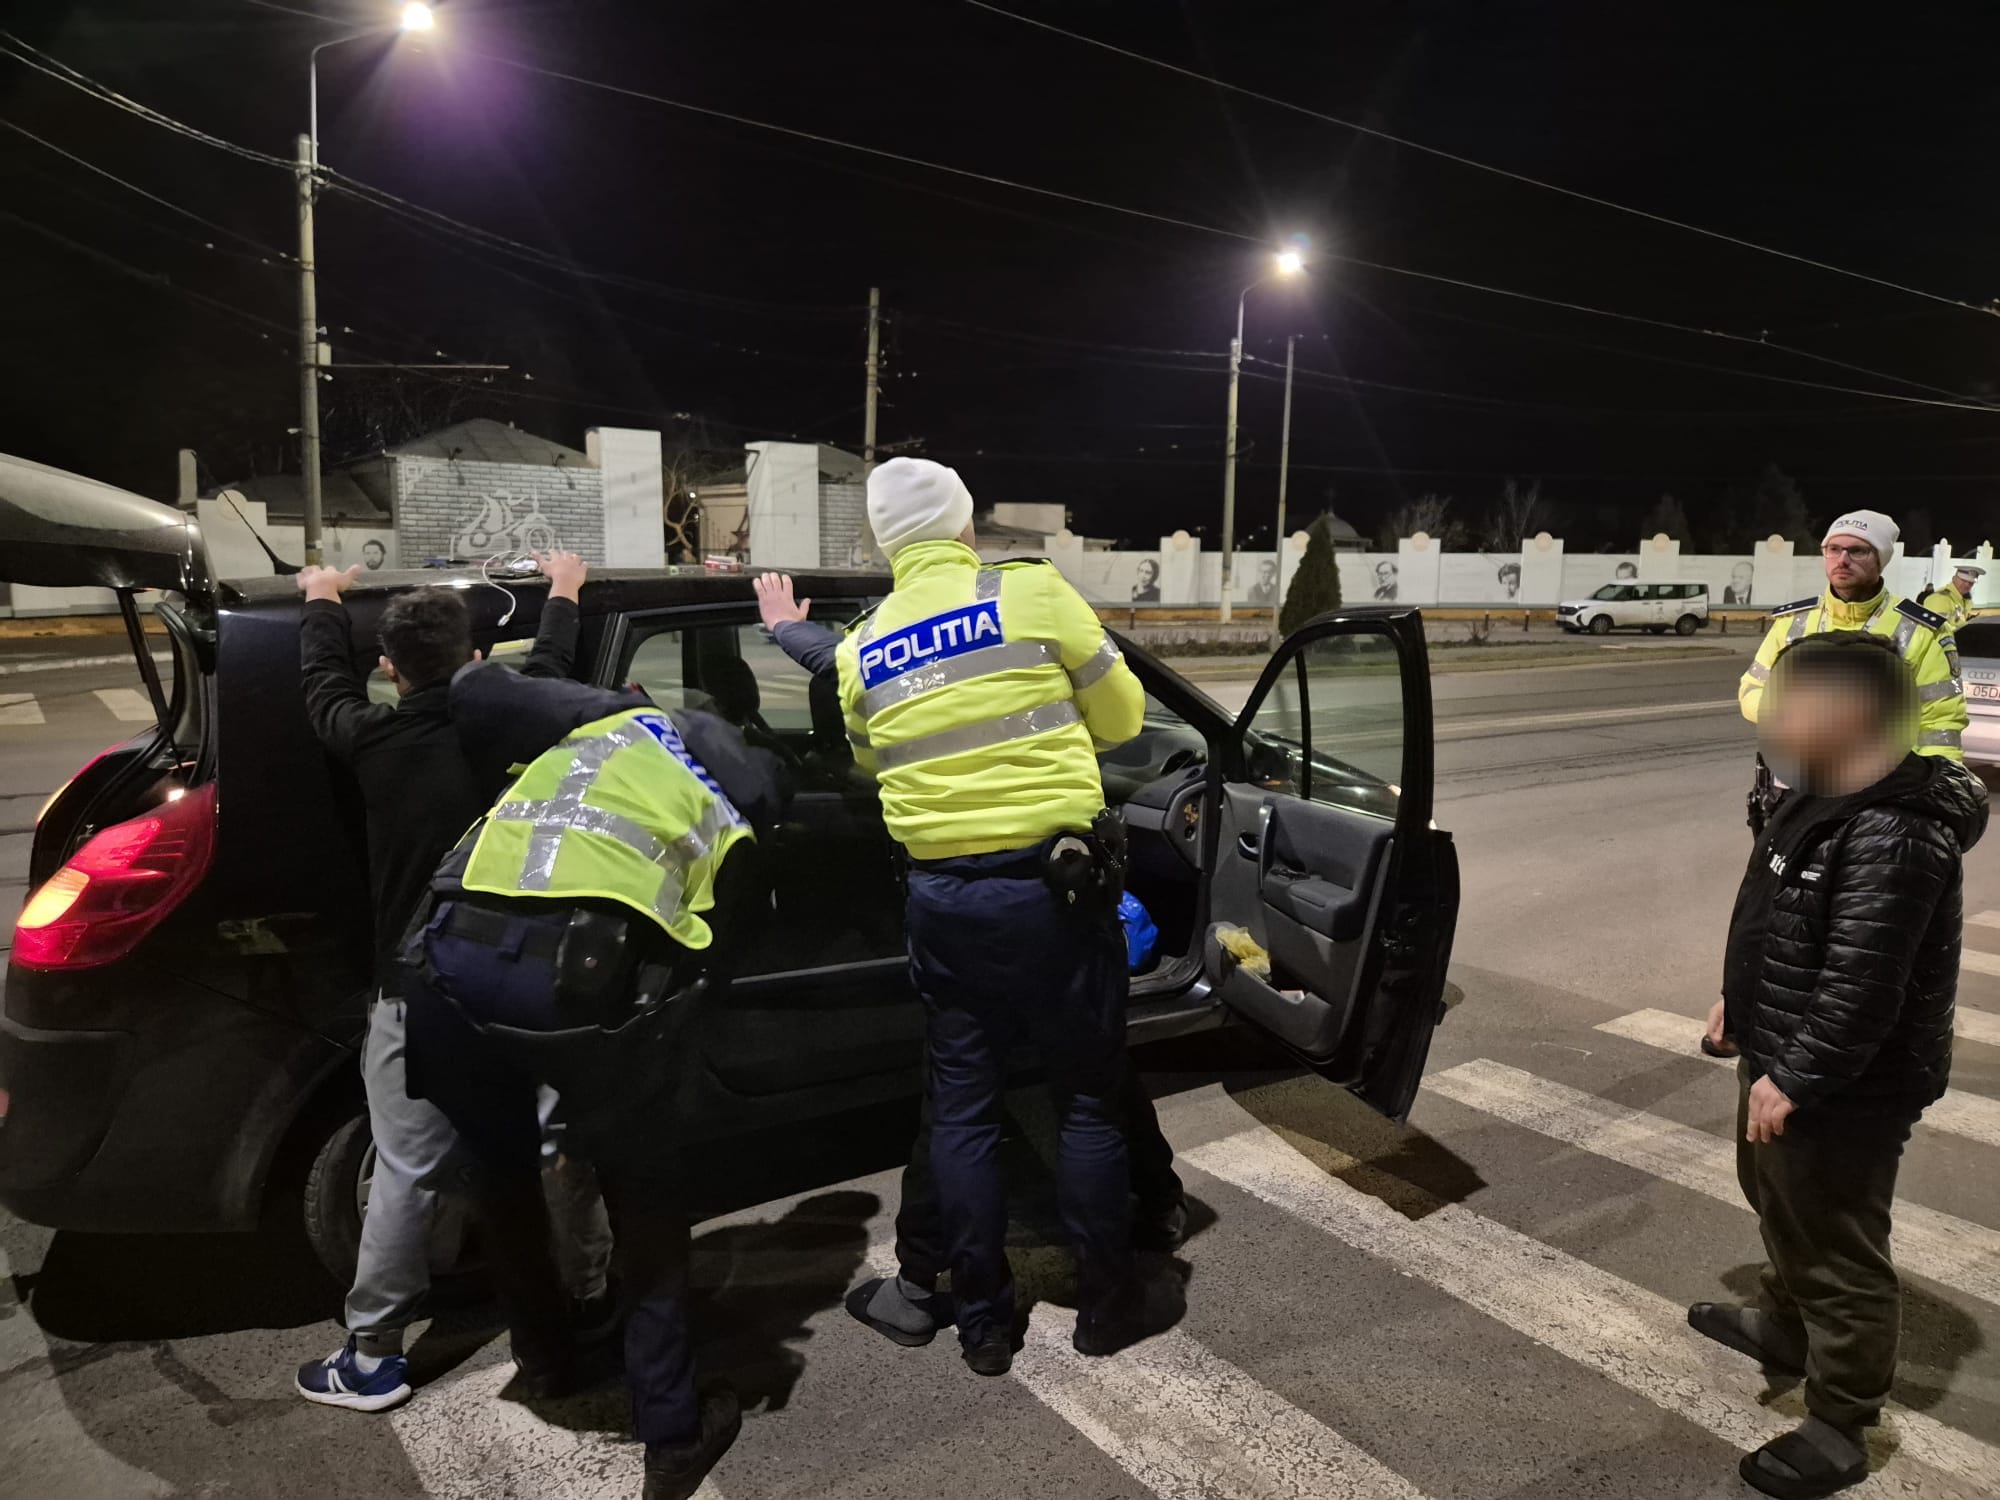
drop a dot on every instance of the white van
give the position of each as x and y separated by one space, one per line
1658 607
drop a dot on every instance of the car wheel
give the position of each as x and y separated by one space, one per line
1686 625
337 1190
1600 624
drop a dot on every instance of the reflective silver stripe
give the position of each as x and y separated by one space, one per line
1007 657
1932 692
1758 672
1798 630
859 740
1939 737
1092 672
1906 631
979 736
986 585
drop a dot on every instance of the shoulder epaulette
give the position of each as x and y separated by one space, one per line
1914 611
1792 609
1016 562
859 620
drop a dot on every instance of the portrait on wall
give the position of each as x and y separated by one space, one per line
1385 580
1264 591
1510 580
1624 571
1147 589
373 554
1740 578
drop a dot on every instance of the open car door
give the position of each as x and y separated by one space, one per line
1325 852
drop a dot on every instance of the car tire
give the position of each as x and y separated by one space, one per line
331 1213
1686 625
1600 624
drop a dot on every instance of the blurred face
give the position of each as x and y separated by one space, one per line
1385 572
1740 574
1853 566
1809 730
1966 582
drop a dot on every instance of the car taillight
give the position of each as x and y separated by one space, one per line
119 886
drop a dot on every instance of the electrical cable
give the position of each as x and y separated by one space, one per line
1467 161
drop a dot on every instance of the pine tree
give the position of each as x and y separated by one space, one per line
1315 588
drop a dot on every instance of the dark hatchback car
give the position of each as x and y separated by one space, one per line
189 979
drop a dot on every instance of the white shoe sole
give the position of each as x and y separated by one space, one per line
353 1402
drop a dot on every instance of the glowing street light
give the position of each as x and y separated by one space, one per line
418 17
1285 264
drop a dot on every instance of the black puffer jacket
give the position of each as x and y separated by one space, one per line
1857 972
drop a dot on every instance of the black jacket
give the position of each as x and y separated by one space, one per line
420 791
1845 997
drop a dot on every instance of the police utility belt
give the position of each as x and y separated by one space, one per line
1085 870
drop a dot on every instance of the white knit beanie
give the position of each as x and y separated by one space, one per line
916 500
1870 526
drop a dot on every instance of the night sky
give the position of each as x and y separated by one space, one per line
1050 350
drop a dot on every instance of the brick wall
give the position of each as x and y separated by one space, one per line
466 508
843 524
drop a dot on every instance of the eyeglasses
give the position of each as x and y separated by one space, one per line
1852 554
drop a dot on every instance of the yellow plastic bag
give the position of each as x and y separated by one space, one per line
1248 953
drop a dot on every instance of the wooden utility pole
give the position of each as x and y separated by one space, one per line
874 375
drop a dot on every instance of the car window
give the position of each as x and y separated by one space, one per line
1980 638
1331 727
1166 745
382 690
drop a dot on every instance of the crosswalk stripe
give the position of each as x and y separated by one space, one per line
1631 1336
1978 962
1978 1026
19 708
1949 1250
1173 1415
128 704
1985 919
1973 1116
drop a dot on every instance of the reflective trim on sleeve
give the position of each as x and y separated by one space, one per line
1931 692
1944 737
980 736
1009 656
1906 631
859 740
1797 632
986 585
1758 672
1093 671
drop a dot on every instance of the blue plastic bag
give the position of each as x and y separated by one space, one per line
1141 936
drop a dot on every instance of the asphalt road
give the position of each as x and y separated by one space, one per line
1486 1304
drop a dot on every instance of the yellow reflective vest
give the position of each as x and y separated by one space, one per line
1951 604
1920 636
619 811
979 695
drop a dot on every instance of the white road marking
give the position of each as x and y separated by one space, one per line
1978 1026
75 663
19 708
1973 1116
1985 919
1178 1418
1949 1250
465 1443
128 704
1978 962
1623 1332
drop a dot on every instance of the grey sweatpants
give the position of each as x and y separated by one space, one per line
416 1150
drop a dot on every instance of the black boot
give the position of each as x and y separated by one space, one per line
675 1473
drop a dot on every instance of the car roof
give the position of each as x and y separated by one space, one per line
607 591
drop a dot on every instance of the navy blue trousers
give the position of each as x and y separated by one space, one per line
1002 962
613 1095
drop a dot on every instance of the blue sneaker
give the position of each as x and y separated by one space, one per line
337 1381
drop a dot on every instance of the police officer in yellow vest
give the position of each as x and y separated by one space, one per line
568 937
979 696
1954 600
1856 549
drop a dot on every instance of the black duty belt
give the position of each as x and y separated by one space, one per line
532 937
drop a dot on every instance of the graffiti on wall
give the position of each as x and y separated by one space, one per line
502 522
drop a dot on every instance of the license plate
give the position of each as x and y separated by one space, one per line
1986 691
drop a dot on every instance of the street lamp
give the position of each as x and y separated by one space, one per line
415 18
1284 265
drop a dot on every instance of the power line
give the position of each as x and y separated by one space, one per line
1467 161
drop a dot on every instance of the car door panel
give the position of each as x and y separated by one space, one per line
1333 866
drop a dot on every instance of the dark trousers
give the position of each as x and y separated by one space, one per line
615 1094
923 1253
1822 1192
1000 961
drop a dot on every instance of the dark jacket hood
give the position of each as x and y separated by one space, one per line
1941 790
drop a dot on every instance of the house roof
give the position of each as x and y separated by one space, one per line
283 495
489 441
